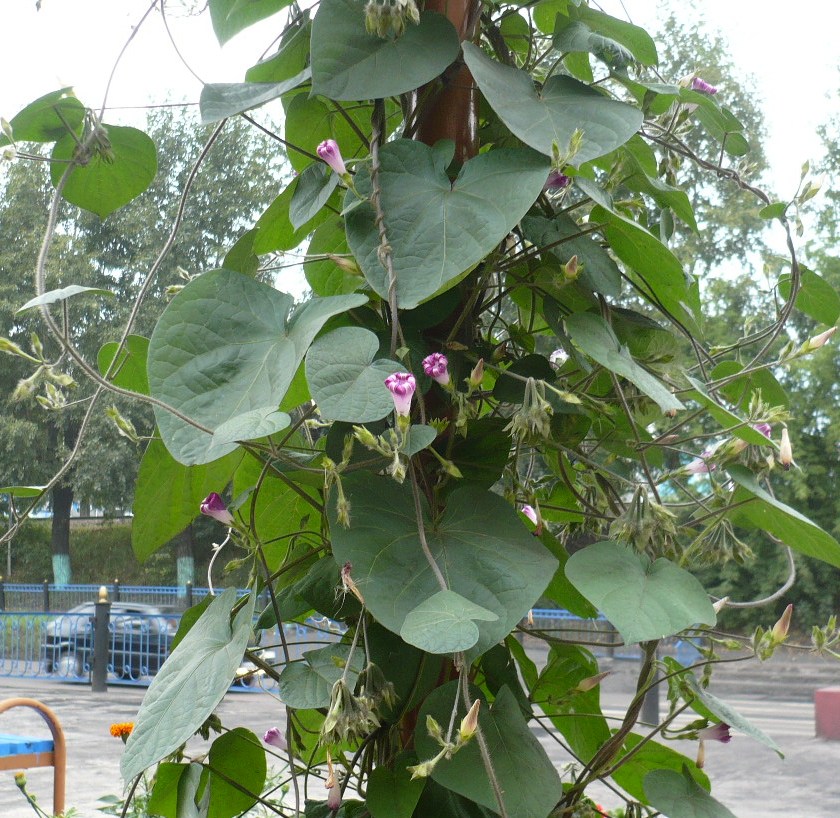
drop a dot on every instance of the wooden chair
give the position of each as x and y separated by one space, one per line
20 752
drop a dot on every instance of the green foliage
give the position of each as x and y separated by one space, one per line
577 413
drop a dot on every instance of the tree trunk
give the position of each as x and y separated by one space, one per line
452 113
62 500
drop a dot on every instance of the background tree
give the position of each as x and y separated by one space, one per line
113 255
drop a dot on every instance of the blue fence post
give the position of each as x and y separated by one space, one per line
46 593
99 674
2 595
116 590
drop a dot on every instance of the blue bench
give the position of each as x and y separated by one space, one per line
22 752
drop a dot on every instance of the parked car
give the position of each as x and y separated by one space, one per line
140 638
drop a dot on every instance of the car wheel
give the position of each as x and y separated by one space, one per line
69 665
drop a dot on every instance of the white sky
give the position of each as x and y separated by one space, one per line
793 53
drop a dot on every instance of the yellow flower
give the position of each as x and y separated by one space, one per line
122 729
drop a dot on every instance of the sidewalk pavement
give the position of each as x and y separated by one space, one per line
746 776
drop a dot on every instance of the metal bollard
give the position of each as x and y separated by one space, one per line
99 671
116 590
46 595
189 594
650 704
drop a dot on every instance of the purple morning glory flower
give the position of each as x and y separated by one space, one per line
213 506
401 385
716 732
703 87
275 738
556 180
436 366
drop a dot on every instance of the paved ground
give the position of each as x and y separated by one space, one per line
750 779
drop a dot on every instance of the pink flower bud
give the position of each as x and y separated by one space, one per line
436 366
213 506
819 340
329 152
334 797
591 682
785 450
401 385
781 628
477 374
716 732
469 724
275 738
703 87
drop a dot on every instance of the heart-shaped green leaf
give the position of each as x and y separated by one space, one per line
553 114
595 337
512 747
816 297
349 64
168 494
312 191
107 182
769 514
308 684
646 755
130 370
237 773
479 543
246 341
224 99
393 793
644 600
438 229
190 685
229 17
444 623
678 795
251 425
345 381
47 119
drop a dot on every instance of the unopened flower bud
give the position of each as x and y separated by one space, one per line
334 797
20 780
329 151
124 426
275 738
434 729
422 770
469 724
365 436
6 127
477 374
819 340
346 264
571 269
720 604
591 682
785 450
781 628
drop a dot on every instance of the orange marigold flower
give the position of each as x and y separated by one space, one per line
122 729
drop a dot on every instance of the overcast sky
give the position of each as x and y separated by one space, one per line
793 54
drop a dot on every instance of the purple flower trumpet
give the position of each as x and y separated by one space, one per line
328 151
437 368
703 87
716 732
213 506
557 180
401 385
